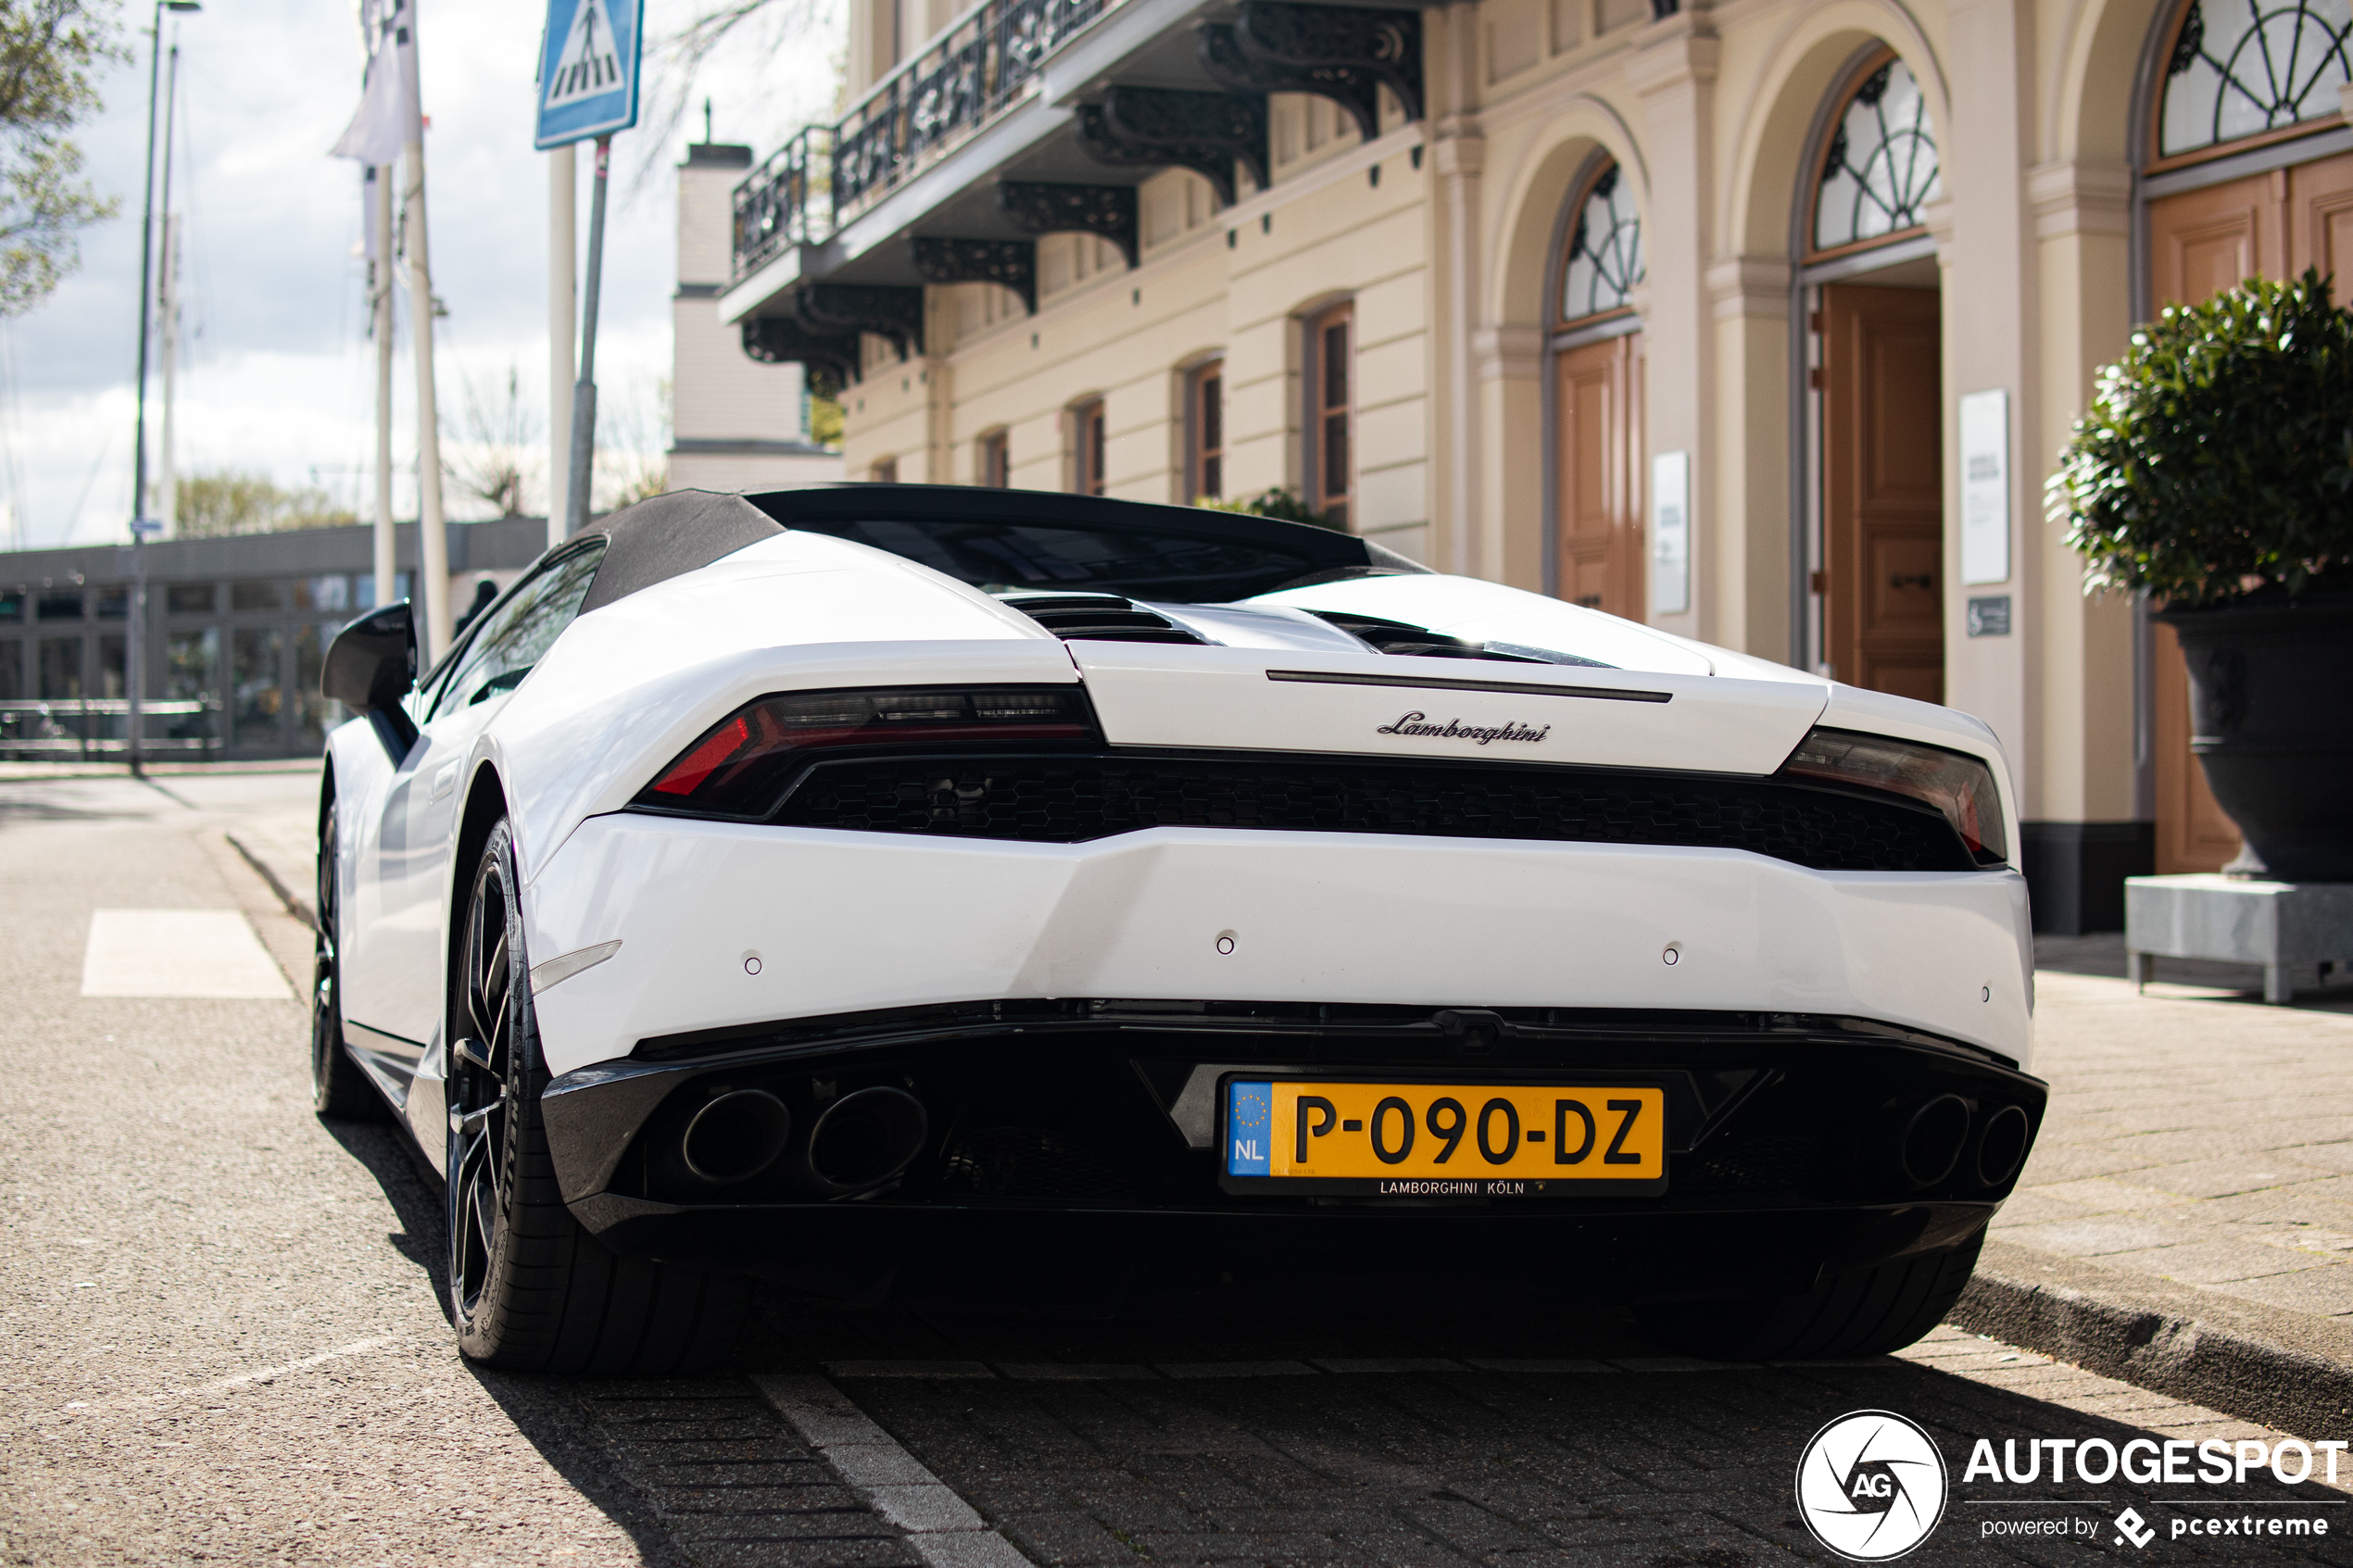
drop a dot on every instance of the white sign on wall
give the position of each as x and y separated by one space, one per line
1985 487
1670 533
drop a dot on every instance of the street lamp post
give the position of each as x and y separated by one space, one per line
134 659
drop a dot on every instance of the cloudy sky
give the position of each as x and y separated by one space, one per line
277 373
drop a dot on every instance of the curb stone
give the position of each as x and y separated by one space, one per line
297 907
2288 1369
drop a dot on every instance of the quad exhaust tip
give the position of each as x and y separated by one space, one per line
2001 1147
863 1140
737 1137
1932 1141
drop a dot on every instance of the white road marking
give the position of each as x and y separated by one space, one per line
243 1379
208 954
940 1525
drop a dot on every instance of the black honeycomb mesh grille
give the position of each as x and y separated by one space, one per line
1032 1162
1070 799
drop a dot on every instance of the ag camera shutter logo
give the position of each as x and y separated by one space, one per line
1871 1486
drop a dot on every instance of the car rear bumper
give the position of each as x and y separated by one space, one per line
1096 1122
722 925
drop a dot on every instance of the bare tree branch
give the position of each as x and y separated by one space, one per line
764 28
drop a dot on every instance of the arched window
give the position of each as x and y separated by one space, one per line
2242 67
1880 171
1604 250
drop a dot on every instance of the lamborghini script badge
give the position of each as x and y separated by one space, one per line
1455 729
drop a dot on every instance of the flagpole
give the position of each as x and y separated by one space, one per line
380 283
563 252
433 551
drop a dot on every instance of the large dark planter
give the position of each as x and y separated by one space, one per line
2271 722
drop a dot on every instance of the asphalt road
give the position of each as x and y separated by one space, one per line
222 1339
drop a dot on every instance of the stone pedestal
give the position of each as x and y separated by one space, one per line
2298 932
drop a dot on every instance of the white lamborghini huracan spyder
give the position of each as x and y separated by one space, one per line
875 867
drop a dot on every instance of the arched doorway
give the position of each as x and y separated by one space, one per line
1871 442
1595 389
2246 169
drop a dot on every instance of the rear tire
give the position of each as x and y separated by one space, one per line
529 1289
339 1086
1862 1312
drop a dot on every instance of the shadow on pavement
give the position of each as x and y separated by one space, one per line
550 1412
1217 1419
49 804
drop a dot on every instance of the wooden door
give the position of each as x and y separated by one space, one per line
2202 242
1882 488
1598 474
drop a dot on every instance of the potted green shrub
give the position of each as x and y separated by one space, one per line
2215 472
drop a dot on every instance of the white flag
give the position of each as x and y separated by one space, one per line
389 116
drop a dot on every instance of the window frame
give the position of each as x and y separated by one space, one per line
1602 166
1205 431
1322 413
440 684
1851 89
994 461
2156 160
1089 447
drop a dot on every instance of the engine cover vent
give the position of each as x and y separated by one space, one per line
1401 637
1098 618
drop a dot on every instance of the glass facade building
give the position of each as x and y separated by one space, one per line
236 635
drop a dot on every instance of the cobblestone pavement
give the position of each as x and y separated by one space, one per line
1214 1430
2195 1134
222 1341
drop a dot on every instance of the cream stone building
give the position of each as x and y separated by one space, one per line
736 424
1758 320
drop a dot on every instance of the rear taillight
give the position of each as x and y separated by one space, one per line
738 765
1953 783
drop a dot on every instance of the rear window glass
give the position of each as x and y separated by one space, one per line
997 556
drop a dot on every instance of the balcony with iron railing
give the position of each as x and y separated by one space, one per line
1027 118
983 63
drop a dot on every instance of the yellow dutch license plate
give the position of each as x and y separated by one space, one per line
1442 1140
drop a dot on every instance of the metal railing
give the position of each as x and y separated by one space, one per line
86 727
983 63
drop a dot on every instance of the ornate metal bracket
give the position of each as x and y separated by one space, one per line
1010 263
829 361
1105 210
1343 52
1157 127
894 312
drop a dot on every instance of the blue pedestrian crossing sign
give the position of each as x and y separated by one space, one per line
588 60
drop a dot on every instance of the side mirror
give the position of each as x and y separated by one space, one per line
371 666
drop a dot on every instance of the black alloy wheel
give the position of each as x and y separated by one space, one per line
494 1011
529 1289
338 1087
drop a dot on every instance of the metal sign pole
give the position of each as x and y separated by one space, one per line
589 69
563 266
583 391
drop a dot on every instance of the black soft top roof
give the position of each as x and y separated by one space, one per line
994 539
1048 540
